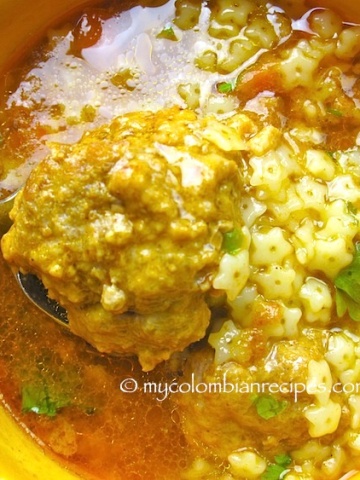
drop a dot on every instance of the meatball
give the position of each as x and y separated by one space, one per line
254 400
126 227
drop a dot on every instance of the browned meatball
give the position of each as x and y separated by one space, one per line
257 401
125 229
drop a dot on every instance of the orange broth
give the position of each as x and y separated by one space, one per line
128 436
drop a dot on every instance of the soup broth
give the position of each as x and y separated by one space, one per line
45 371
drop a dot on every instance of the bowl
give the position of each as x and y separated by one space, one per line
21 24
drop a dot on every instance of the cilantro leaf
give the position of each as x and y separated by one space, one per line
331 154
275 471
232 241
345 303
348 288
225 87
283 459
167 33
39 399
335 112
268 407
351 208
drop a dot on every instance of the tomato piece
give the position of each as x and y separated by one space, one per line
252 83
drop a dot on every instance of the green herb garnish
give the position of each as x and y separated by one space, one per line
125 79
39 398
275 470
348 288
88 113
167 33
268 407
350 207
225 87
283 459
232 241
335 112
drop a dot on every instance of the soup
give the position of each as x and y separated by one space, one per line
269 388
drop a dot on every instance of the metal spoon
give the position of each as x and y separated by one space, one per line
6 205
30 284
36 292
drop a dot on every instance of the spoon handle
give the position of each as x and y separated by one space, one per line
35 291
6 205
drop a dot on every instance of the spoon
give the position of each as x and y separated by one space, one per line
30 284
36 292
6 205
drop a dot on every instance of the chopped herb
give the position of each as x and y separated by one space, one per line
331 155
276 471
345 303
232 241
283 459
39 399
348 288
335 112
351 208
88 113
268 407
167 33
225 87
124 79
273 472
